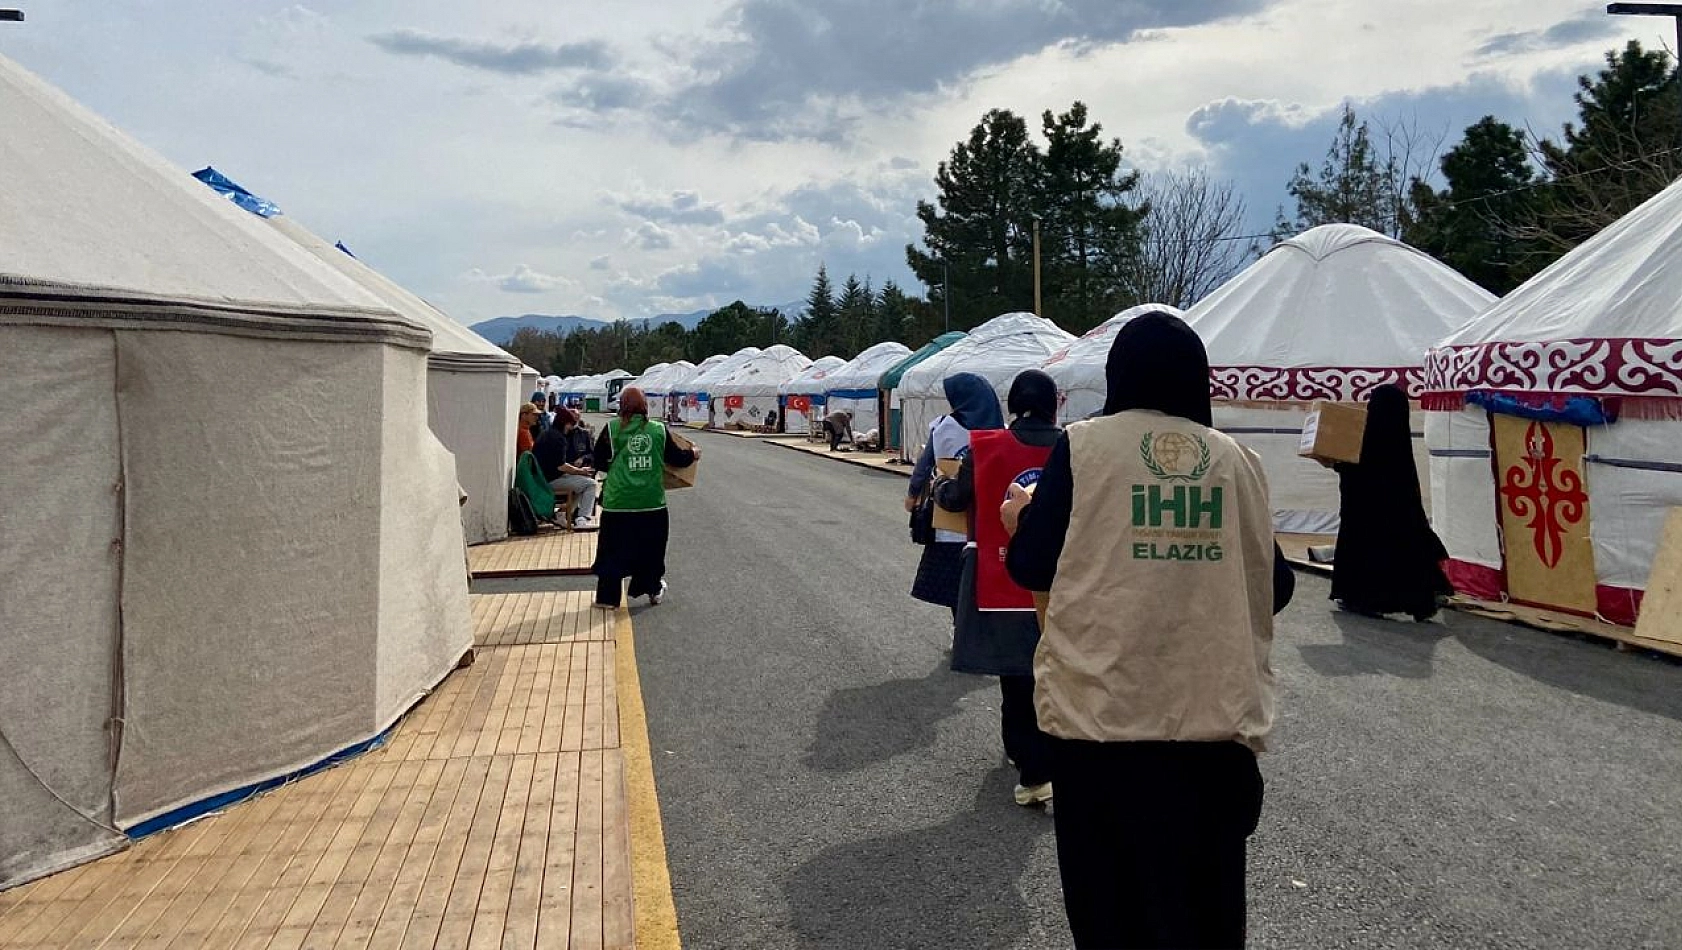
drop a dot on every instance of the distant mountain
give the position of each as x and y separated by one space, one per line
501 330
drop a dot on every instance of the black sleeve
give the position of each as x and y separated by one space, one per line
1284 580
677 456
1033 553
604 451
923 471
957 494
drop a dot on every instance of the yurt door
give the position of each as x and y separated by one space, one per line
1544 506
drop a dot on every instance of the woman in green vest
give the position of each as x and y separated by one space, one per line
634 452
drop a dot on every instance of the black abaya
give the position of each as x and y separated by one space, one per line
1388 558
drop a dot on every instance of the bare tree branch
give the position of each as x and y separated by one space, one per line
1190 243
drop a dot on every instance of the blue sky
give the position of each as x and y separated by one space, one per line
652 156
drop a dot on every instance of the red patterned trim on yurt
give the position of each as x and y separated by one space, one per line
1614 605
1595 367
1307 384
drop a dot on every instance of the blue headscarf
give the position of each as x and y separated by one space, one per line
974 403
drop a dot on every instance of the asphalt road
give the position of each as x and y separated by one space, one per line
825 782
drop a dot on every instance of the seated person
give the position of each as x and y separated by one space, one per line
838 425
563 452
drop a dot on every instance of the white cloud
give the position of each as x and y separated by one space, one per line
522 280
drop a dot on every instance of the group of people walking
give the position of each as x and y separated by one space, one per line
1120 578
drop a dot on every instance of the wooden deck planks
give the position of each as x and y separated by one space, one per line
494 817
550 551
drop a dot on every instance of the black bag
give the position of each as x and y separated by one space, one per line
922 521
522 519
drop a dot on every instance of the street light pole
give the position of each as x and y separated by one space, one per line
1037 311
1672 10
946 292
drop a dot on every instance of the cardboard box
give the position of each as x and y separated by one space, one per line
1332 432
950 520
681 477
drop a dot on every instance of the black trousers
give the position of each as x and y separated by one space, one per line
630 544
833 433
1151 841
1026 745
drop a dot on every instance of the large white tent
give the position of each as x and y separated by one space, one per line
1079 367
472 386
1330 314
197 592
996 351
595 390
854 387
657 382
753 389
681 397
803 396
699 409
1554 421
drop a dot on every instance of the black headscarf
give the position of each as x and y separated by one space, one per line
1158 362
975 405
1387 443
1033 395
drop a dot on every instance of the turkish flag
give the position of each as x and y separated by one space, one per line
800 404
732 402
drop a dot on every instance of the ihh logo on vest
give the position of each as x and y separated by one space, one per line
639 450
1172 509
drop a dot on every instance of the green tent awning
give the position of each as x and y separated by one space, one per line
891 378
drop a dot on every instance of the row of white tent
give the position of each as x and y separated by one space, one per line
1331 315
586 387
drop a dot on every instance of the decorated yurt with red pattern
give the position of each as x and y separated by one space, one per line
1330 314
803 396
1555 424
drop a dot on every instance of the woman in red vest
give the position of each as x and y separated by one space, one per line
996 629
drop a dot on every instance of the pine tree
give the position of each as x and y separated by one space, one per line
1469 226
855 319
1355 185
1088 231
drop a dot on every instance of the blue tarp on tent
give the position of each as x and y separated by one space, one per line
228 188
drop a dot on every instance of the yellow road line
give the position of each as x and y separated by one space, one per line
656 913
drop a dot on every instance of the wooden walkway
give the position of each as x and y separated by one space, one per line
871 460
550 551
495 816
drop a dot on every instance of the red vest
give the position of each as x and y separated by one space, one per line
1000 461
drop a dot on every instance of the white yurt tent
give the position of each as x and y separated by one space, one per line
700 410
1555 424
753 389
198 592
657 382
531 381
996 351
1330 314
682 391
854 387
1079 368
472 387
803 396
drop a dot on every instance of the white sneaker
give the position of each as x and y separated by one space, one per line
581 523
654 598
1033 794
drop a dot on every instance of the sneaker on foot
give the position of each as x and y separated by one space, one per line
654 598
1033 794
582 523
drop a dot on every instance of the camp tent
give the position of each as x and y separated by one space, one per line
699 409
803 396
996 351
1079 368
752 390
1330 314
530 381
1554 422
657 384
472 387
888 387
681 398
198 592
855 387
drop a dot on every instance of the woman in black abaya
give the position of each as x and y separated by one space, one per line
1388 558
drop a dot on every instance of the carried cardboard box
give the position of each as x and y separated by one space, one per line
950 520
681 477
1333 432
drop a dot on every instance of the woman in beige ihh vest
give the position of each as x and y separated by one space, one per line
1153 534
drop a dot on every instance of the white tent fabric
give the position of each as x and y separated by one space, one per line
290 574
531 381
657 382
753 389
680 393
1079 367
855 388
701 409
996 351
1329 314
1601 322
472 390
807 390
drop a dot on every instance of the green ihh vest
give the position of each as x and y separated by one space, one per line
636 477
